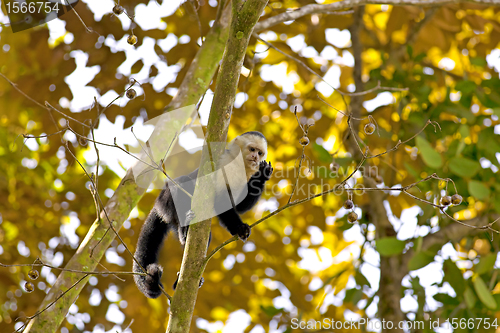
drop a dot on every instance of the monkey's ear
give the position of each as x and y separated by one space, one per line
240 142
234 145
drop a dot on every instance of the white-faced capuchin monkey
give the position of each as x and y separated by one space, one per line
166 216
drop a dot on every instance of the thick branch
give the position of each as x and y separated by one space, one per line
390 279
202 70
452 232
346 4
245 15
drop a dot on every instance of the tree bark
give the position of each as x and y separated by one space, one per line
244 17
390 273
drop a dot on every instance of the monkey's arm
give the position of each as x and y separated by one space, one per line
148 246
255 187
230 219
233 223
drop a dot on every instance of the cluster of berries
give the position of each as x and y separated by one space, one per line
33 275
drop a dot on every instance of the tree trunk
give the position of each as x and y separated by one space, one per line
244 17
390 267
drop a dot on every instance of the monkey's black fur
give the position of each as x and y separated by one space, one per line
164 217
255 133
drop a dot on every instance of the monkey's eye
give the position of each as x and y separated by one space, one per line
252 149
260 153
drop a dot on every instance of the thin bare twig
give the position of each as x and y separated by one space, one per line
309 69
42 264
197 17
305 131
88 29
27 319
363 189
47 106
111 226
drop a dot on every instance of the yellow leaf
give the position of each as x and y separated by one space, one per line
11 230
219 313
381 20
215 276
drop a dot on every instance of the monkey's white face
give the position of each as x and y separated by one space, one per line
254 154
254 150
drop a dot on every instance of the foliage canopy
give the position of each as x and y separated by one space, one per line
437 63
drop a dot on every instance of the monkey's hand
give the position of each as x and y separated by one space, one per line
243 231
265 170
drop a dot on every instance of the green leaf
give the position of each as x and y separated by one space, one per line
464 167
492 83
357 296
497 300
431 157
390 246
446 299
483 292
485 264
453 276
477 61
496 203
486 99
411 171
420 57
487 142
344 162
361 280
460 148
370 301
464 131
417 244
322 154
409 49
420 260
271 311
353 295
470 298
461 112
479 190
466 86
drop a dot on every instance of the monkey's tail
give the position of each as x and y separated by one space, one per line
148 246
